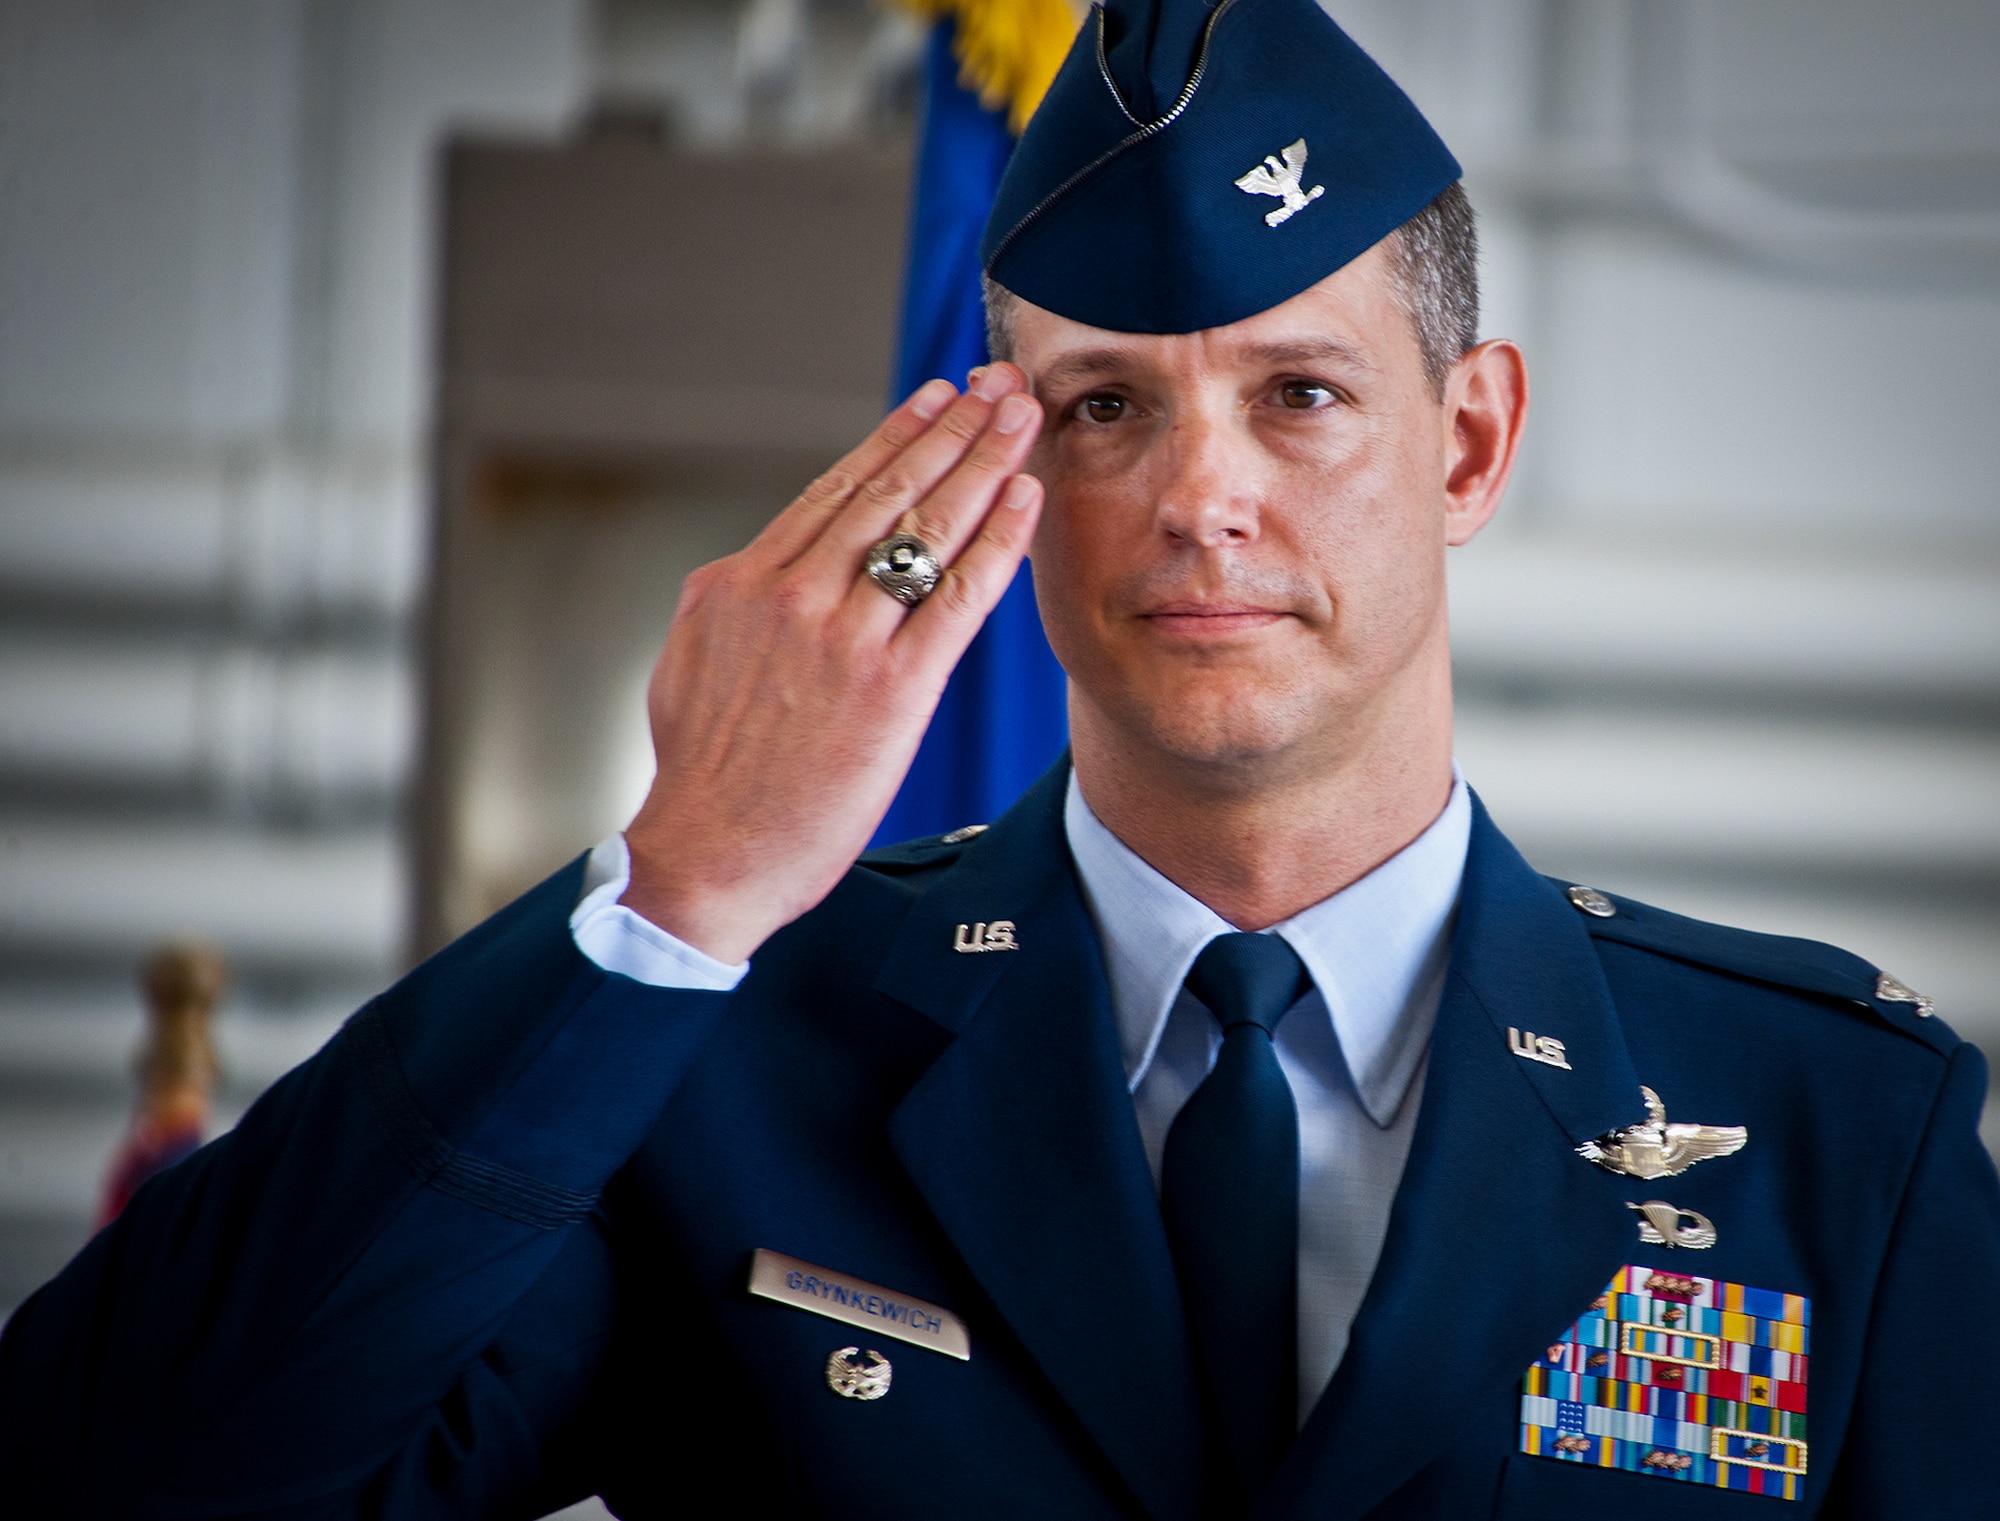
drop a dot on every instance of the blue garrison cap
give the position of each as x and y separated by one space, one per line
1195 163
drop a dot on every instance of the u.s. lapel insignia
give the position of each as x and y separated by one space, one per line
1545 1049
1282 178
1659 1150
1681 1378
855 1380
997 936
1664 1224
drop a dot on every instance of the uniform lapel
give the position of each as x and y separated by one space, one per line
1500 1234
1022 1139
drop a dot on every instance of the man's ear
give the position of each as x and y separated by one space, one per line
1486 406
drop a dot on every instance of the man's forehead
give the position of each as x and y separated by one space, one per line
1336 322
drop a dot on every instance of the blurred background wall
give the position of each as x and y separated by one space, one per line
1734 644
216 291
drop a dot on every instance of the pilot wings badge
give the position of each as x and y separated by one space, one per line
1659 1150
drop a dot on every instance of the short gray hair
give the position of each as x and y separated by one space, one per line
1433 259
999 317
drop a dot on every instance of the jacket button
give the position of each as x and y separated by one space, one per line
1591 901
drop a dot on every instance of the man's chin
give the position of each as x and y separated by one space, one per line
1227 731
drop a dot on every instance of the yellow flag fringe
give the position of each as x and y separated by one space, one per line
1008 50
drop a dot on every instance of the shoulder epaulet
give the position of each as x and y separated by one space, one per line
1780 960
924 854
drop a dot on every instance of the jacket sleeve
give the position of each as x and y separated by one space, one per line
1927 1404
275 1323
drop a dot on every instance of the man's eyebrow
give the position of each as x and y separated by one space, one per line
1085 364
1301 351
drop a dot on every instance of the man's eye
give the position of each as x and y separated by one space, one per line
1304 395
1103 409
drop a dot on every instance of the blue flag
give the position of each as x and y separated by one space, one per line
1002 720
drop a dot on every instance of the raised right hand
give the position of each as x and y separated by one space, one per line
793 691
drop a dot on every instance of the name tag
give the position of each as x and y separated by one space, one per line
805 1287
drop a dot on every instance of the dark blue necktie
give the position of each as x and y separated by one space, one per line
1229 1189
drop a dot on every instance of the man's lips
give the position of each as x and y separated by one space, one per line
1208 619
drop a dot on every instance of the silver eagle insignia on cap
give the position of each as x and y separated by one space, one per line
1659 1150
1283 179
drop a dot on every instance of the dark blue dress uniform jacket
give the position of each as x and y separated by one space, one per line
486 1252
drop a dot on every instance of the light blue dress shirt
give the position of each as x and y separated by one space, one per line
1353 1048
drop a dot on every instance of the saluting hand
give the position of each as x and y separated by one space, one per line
793 691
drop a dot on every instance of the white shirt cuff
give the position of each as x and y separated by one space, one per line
620 941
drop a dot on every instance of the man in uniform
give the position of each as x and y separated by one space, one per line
1237 1127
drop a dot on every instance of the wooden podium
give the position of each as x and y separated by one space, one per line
644 354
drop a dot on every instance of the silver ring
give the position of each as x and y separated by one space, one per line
905 567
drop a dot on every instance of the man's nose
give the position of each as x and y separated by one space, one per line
1207 495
